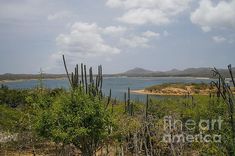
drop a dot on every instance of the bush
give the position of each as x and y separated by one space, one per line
76 118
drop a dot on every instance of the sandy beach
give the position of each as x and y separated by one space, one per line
145 92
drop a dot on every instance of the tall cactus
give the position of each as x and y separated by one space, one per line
72 79
109 98
82 76
228 97
85 77
231 74
125 104
129 107
147 106
132 109
90 75
77 75
128 100
101 77
66 69
90 87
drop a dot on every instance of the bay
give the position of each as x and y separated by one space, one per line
118 85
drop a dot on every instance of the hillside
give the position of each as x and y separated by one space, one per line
136 72
189 72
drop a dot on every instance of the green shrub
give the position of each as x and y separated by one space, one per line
76 118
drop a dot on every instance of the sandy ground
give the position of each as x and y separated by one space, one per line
142 91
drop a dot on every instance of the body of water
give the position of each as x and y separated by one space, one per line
118 85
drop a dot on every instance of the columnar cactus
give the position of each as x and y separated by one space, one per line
90 87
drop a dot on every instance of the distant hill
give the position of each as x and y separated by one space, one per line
189 72
136 72
173 71
9 76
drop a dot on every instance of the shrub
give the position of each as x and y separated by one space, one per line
76 118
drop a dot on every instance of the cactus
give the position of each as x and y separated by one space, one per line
77 75
130 105
228 97
87 87
128 101
125 102
82 76
109 98
132 108
146 107
91 76
231 74
101 78
72 79
85 76
66 69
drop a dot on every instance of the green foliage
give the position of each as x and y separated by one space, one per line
196 87
9 118
12 98
74 117
77 118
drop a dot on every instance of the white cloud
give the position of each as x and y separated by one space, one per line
209 15
218 39
114 30
85 40
150 34
60 15
173 6
157 12
142 16
135 41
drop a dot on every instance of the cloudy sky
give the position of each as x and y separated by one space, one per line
119 34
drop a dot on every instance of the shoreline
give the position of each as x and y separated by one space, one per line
61 78
144 92
21 80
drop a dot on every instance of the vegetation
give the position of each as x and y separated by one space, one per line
183 89
81 121
75 119
180 85
115 130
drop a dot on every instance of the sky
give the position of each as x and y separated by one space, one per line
158 35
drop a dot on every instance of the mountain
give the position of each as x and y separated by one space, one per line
173 71
195 72
138 71
189 72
